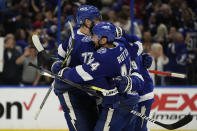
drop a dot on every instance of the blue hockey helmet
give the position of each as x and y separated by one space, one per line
105 29
87 12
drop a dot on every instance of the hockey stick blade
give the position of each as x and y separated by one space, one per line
188 118
37 43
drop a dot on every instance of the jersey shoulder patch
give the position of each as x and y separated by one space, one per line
102 50
86 39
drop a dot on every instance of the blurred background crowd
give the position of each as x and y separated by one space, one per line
168 29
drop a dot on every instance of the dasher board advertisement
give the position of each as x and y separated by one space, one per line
18 107
173 103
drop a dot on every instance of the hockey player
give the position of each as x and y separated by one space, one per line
80 109
143 62
75 110
99 66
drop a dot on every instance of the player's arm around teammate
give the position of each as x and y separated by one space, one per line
144 61
110 59
80 109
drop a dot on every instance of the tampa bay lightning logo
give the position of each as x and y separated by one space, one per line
106 27
102 50
86 39
84 9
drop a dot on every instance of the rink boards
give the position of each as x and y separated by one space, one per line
18 106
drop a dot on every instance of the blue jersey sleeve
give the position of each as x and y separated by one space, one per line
133 45
64 48
103 63
136 77
131 38
90 71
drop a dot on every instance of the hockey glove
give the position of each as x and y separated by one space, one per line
43 58
56 67
123 83
59 85
147 60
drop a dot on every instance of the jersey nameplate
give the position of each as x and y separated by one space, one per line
122 56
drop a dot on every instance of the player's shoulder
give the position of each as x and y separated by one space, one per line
81 37
107 54
118 46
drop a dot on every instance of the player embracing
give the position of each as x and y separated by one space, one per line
110 60
73 100
140 62
80 109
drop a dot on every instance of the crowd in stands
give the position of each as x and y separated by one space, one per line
168 29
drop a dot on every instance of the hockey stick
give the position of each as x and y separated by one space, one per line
72 45
178 75
88 89
188 118
40 49
42 55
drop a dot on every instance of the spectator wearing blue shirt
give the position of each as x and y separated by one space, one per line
177 54
2 10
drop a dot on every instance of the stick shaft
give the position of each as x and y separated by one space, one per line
178 75
159 72
43 101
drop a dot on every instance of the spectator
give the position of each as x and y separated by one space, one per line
2 6
159 60
165 16
177 55
189 30
36 5
12 17
147 41
49 43
48 21
11 71
171 33
2 9
125 23
25 17
21 40
161 36
112 16
38 21
29 56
